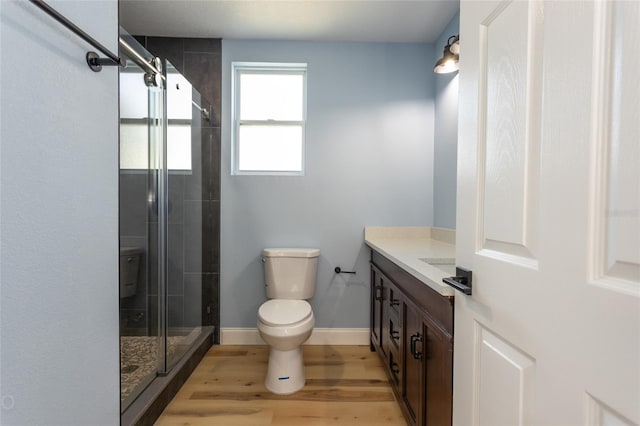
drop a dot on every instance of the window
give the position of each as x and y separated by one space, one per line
269 114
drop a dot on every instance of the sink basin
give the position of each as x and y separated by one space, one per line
448 265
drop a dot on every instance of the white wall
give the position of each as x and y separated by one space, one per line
446 135
59 218
369 162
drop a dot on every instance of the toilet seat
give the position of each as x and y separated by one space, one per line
284 312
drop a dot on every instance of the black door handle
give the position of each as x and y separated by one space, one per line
462 280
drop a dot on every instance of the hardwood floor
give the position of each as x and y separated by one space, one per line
346 385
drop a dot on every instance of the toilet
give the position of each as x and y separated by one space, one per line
286 320
129 267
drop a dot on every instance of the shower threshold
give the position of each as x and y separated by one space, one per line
140 357
139 363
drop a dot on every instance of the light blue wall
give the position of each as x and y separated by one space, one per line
59 218
369 161
446 136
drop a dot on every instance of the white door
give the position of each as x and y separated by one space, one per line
549 214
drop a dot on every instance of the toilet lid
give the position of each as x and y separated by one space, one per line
284 312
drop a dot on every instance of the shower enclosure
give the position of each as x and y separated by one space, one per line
161 303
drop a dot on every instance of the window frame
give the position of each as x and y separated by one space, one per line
264 68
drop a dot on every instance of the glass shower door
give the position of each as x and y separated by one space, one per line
140 172
184 227
161 218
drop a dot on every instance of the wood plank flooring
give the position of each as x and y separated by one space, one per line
346 385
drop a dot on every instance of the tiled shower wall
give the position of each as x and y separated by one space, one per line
194 203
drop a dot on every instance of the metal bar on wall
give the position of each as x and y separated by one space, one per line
146 64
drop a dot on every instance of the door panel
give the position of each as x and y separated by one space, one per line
615 188
548 204
505 382
599 414
510 120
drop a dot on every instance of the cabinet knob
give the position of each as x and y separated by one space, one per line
394 302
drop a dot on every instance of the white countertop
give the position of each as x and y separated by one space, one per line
408 246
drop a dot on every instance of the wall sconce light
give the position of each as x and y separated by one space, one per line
449 61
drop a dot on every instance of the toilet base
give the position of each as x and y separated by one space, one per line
285 373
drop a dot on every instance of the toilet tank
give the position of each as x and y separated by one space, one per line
290 273
129 267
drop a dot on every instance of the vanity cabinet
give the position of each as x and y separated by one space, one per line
386 329
412 331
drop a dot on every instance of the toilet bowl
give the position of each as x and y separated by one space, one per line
286 321
285 325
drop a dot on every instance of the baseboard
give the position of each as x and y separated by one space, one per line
319 336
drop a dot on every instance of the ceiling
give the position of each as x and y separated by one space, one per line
309 20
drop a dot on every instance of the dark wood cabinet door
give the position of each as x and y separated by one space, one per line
384 333
413 383
394 318
438 355
376 306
